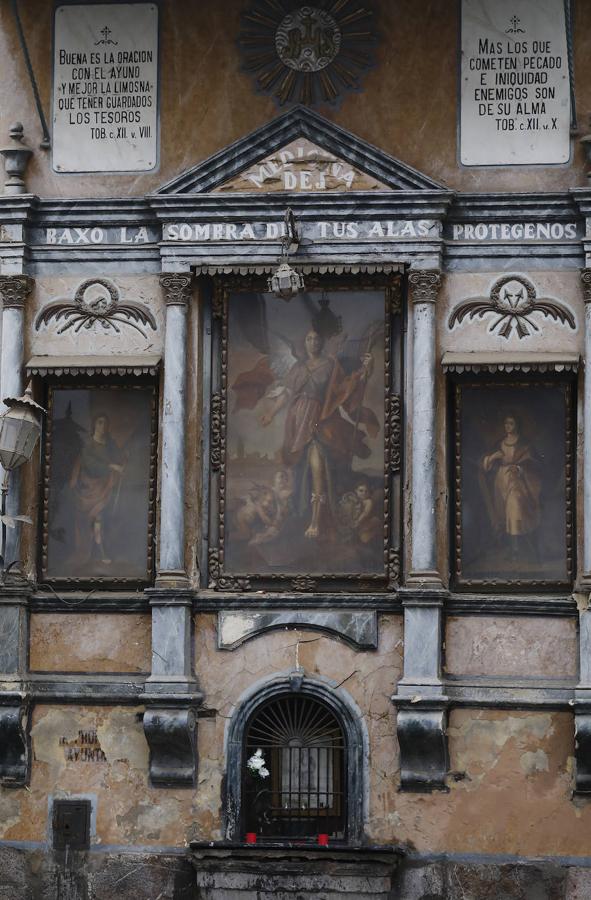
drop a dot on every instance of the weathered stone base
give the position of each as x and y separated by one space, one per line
457 879
267 873
39 874
34 873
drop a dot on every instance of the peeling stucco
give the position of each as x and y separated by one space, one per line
104 642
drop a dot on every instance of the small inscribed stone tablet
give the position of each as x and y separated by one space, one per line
515 90
105 87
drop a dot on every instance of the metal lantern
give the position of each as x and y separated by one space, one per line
20 428
285 282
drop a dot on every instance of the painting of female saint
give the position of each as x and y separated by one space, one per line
99 453
305 461
513 479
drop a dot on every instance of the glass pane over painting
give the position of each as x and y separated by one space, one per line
305 479
99 489
514 484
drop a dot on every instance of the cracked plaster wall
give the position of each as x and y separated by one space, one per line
510 788
90 643
513 793
537 646
514 769
368 676
129 811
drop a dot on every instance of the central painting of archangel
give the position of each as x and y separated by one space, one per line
304 480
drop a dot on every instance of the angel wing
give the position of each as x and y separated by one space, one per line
476 307
133 312
251 386
57 311
282 354
556 311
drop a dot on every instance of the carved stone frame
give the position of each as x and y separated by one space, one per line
520 584
102 580
389 579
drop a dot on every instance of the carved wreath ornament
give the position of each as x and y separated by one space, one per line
307 53
512 302
96 302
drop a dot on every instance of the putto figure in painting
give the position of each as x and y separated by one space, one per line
305 434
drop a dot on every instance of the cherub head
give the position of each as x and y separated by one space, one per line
281 480
362 491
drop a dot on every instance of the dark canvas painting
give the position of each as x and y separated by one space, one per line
513 475
305 434
98 471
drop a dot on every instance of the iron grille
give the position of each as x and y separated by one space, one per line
294 771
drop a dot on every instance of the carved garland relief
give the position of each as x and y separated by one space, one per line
96 303
514 304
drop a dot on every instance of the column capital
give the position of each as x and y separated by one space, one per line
177 287
424 285
14 290
586 282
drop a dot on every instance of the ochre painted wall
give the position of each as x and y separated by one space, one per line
513 768
82 642
408 106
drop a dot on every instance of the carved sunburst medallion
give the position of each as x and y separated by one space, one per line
305 53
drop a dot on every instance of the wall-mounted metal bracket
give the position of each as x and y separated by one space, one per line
423 747
171 733
583 748
15 742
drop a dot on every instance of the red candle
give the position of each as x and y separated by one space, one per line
251 837
323 840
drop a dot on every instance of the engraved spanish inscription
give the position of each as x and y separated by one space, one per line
105 87
515 85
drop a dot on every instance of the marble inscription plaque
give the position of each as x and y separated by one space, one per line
515 86
105 87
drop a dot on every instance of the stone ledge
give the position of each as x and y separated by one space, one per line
359 628
308 871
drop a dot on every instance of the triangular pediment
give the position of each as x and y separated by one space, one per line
299 151
302 166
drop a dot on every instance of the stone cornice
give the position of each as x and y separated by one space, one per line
331 205
444 227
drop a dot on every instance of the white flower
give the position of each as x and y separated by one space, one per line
256 765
